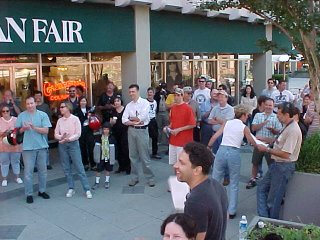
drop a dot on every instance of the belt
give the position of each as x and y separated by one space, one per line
140 127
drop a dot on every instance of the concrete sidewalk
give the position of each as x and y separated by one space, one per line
119 213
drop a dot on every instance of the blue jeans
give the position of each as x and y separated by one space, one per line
70 153
30 158
7 158
228 160
272 188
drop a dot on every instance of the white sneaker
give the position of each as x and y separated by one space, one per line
70 193
19 180
4 183
88 194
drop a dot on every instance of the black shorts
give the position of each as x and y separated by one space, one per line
257 157
103 165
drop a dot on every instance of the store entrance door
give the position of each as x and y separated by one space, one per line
22 79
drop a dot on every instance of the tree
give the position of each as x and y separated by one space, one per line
299 20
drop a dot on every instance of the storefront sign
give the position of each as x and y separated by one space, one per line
59 26
43 30
50 88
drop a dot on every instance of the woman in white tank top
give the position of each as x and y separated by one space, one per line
228 156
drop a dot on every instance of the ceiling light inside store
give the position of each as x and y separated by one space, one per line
50 58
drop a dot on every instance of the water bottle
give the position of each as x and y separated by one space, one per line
243 227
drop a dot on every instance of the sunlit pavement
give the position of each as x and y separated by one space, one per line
121 212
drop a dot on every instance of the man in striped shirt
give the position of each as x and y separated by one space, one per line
267 126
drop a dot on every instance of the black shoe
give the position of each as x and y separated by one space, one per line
232 216
94 168
35 169
251 184
29 199
118 171
49 167
128 171
44 195
86 167
107 185
95 186
155 156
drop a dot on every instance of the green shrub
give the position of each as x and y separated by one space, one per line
309 157
279 77
309 232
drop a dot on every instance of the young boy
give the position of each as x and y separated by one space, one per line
105 164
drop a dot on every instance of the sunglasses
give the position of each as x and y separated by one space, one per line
202 81
62 106
5 111
270 83
72 91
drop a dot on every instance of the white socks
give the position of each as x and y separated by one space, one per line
107 178
97 179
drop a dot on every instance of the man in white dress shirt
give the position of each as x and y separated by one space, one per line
136 116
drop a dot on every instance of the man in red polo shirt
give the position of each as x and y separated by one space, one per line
180 129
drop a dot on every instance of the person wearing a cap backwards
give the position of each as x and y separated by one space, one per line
182 122
9 154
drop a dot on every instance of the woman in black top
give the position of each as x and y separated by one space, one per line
120 132
86 139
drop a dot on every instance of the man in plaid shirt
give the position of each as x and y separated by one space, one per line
267 126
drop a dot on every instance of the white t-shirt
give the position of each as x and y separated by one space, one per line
284 96
153 108
233 133
201 96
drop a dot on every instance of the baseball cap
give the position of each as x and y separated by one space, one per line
187 89
223 92
178 91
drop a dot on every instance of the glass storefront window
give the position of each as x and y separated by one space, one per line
187 73
173 72
26 83
157 73
100 73
197 70
57 80
65 58
103 57
10 58
156 56
4 80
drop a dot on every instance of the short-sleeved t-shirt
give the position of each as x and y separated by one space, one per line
181 115
207 204
201 96
33 140
284 96
289 141
226 113
170 99
103 100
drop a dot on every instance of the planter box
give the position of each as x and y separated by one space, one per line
302 199
275 222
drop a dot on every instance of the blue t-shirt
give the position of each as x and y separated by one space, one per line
33 140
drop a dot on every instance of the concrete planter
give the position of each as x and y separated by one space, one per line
302 199
254 223
275 222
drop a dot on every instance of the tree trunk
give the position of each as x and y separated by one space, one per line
310 53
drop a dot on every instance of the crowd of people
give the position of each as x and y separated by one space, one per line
201 128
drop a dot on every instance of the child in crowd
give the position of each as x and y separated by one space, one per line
105 161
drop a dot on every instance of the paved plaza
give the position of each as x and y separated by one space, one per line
119 213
